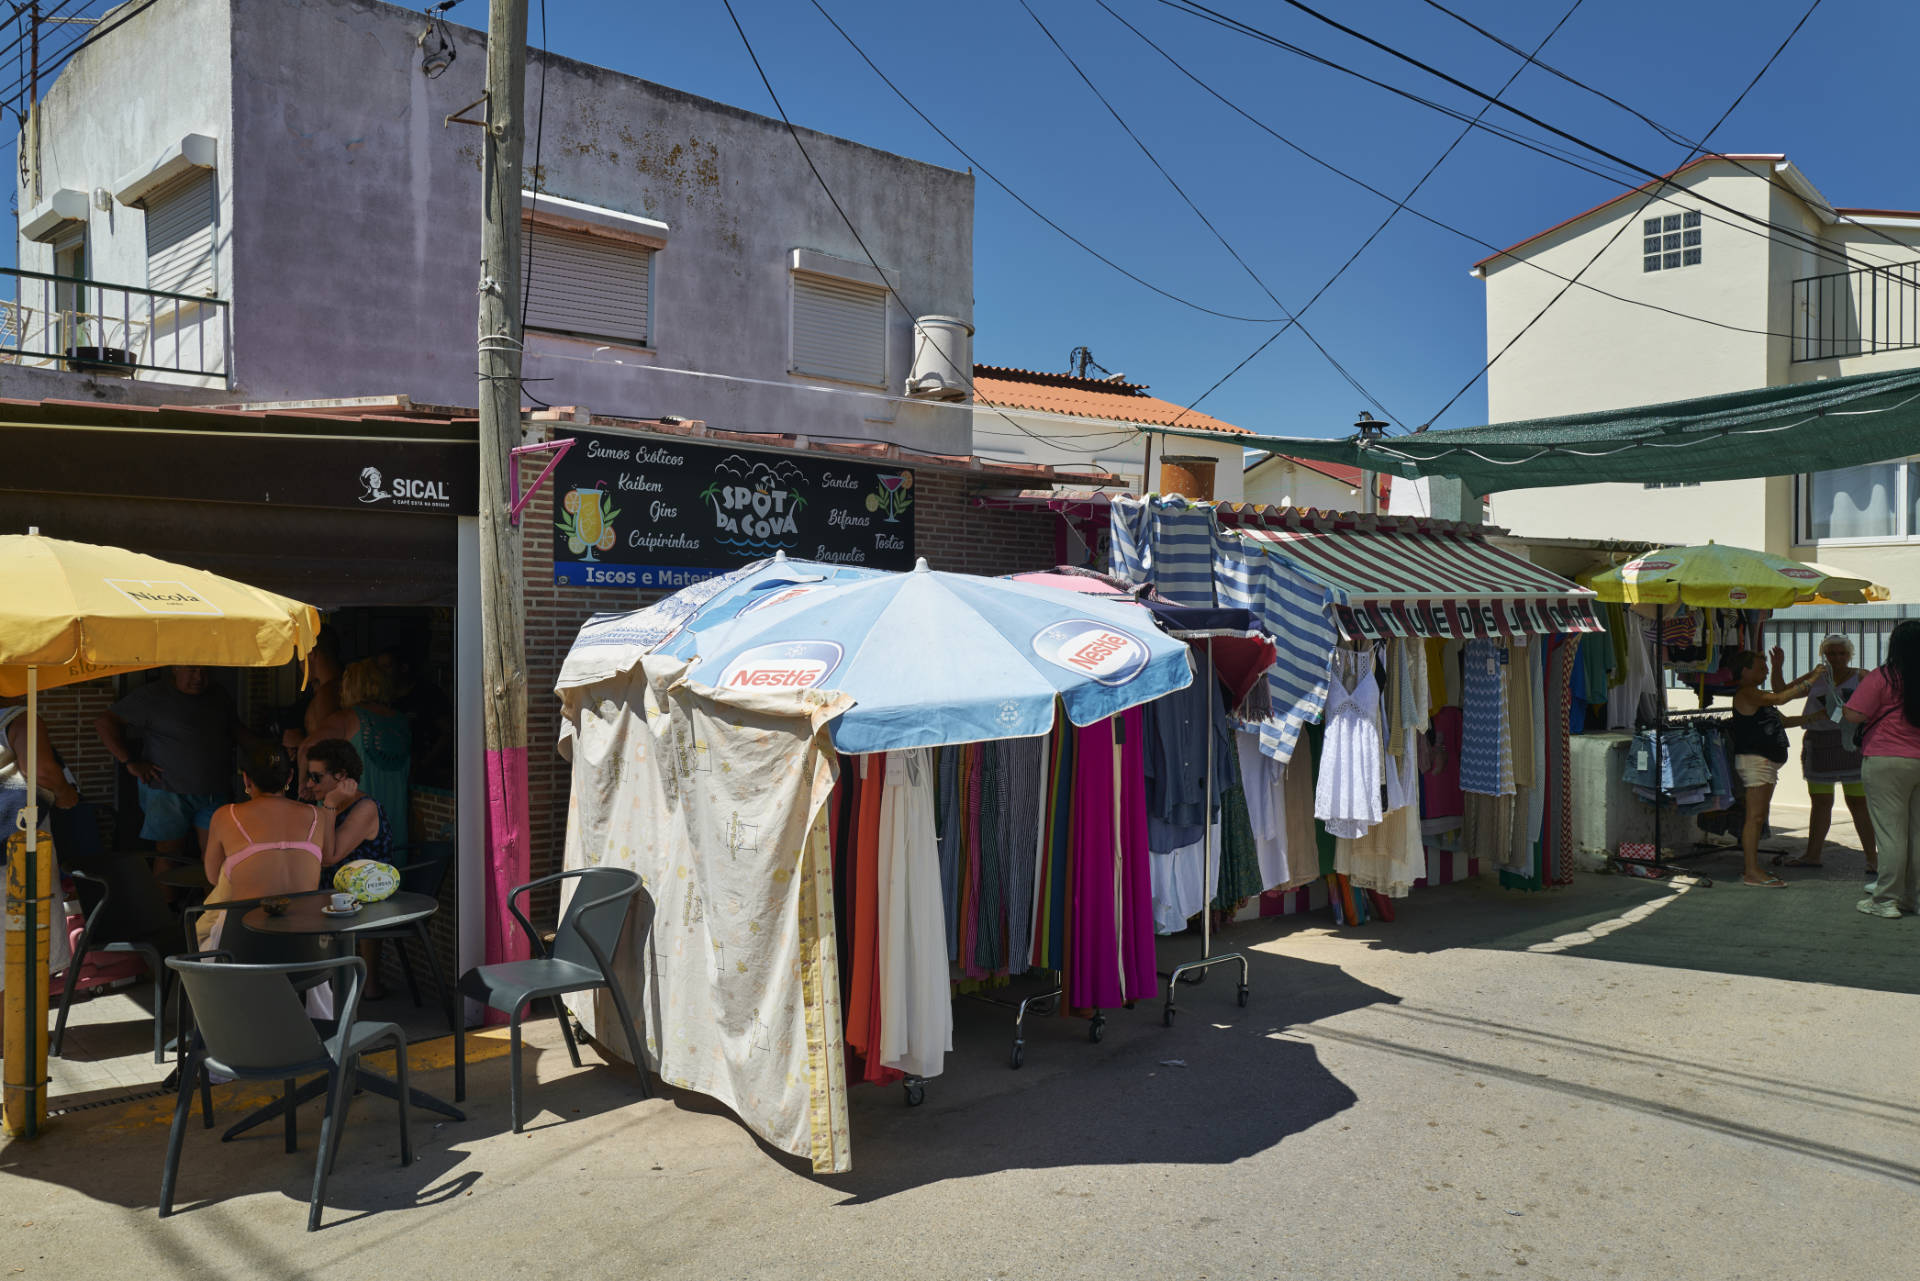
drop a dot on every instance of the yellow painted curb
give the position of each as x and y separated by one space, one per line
239 1097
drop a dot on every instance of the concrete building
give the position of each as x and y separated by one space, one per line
1686 300
1279 481
1101 425
273 202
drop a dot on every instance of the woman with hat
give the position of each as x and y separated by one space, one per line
1826 762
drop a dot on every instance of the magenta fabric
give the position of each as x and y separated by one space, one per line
1109 943
1093 971
1142 966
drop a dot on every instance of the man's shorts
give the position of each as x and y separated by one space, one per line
1826 789
1756 770
174 816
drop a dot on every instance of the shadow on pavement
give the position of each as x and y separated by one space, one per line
1223 1084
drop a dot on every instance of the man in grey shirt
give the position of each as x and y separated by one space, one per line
187 727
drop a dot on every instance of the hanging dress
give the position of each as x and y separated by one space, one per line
1347 798
916 1007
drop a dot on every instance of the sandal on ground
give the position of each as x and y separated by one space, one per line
1782 860
1771 883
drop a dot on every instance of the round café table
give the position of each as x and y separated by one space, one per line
182 875
402 908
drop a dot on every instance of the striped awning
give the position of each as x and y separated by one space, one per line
1407 577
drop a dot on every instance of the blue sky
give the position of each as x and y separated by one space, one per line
1406 320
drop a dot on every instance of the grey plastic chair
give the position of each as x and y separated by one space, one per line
579 960
251 1025
113 927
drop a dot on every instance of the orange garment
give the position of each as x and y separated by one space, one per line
863 1006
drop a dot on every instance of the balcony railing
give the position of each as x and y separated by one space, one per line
1857 313
89 326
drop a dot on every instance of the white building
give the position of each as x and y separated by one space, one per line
1276 480
272 202
1687 300
1097 424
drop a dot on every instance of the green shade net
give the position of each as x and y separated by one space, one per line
1772 431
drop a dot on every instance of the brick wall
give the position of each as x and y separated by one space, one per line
69 713
948 530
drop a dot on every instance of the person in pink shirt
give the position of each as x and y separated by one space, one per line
1887 705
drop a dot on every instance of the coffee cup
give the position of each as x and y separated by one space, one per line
345 902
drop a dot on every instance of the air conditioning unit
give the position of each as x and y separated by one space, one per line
942 359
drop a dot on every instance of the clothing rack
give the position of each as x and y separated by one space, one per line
1207 958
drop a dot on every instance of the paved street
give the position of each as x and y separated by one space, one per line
1621 1079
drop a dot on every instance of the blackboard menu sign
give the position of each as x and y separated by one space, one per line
651 512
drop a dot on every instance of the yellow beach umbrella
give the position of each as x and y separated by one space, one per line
1835 590
1716 576
71 612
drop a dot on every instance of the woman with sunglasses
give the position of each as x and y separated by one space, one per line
332 781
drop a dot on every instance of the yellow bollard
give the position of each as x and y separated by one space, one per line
29 907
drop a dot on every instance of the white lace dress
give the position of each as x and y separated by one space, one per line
1347 795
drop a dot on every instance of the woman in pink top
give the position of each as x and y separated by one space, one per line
1888 705
265 844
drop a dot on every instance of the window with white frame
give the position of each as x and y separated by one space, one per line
180 218
839 329
1875 502
590 286
1670 242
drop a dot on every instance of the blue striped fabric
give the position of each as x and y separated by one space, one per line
1181 549
1165 541
1292 608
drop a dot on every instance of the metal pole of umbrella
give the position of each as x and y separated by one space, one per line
25 1096
1199 966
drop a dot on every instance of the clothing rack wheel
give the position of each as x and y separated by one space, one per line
1181 973
1040 1003
916 1088
1097 1029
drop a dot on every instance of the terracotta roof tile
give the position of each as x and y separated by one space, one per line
1086 398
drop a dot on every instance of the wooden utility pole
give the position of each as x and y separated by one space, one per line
502 586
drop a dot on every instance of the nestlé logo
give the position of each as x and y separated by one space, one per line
1105 654
784 665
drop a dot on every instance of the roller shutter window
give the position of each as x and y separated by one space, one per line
180 236
587 285
839 330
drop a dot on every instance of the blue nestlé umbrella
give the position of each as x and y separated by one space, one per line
935 658
610 643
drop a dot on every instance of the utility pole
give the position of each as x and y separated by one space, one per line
502 586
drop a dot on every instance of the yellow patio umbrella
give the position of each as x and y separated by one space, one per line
1716 576
72 612
1836 592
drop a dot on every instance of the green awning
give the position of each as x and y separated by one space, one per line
1772 431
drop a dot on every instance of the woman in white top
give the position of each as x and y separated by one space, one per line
1825 761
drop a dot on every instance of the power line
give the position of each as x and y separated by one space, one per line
1807 241
1293 320
1467 236
1621 229
1819 249
1398 204
1672 135
1019 199
96 33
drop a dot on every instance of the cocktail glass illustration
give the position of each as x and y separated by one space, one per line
894 496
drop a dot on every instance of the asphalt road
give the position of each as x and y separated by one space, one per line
1622 1079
